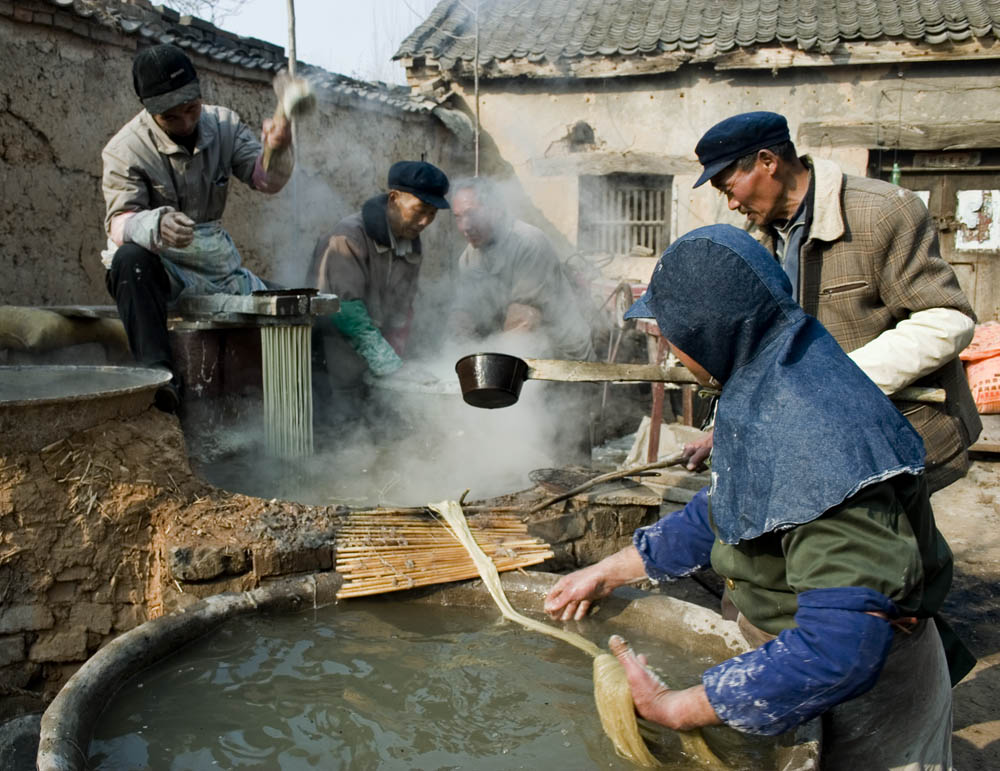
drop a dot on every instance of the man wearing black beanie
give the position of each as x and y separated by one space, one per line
166 177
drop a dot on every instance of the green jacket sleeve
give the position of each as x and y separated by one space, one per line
357 326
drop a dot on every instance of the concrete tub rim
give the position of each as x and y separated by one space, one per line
68 724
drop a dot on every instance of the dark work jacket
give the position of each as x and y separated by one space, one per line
356 262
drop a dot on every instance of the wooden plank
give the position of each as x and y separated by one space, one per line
922 136
601 163
854 53
775 56
989 439
601 372
581 67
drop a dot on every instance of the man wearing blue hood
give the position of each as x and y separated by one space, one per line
818 517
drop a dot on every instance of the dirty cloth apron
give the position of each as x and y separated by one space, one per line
904 723
210 264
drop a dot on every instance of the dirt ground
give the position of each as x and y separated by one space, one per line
968 514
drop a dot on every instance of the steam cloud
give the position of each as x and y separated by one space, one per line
422 446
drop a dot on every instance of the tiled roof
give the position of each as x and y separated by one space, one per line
164 25
538 30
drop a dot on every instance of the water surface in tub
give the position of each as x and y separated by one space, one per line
379 684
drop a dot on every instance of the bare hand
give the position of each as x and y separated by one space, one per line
680 710
521 318
572 595
277 133
695 453
176 229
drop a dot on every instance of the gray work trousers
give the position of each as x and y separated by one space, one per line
904 722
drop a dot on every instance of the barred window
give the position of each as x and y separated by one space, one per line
620 211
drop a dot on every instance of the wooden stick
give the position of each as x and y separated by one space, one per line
376 539
367 566
450 573
439 577
472 509
404 582
430 556
673 460
369 563
431 551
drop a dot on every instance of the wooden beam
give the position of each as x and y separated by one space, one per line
910 136
577 67
855 53
770 57
601 163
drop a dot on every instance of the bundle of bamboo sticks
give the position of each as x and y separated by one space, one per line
379 553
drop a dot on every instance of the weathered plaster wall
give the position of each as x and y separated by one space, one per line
63 95
652 124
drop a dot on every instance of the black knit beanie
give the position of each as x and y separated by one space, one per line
164 77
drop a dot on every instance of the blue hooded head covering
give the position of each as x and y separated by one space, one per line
799 427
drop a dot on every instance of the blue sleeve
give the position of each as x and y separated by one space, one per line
679 543
835 653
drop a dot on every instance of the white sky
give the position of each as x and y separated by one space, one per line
350 37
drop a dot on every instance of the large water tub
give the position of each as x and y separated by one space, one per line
69 723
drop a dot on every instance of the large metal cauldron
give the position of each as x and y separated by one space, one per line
42 403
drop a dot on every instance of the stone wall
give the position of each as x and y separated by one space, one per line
67 89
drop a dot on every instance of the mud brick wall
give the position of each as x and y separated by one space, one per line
108 526
67 89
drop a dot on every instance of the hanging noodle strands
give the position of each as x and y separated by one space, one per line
611 688
387 553
287 375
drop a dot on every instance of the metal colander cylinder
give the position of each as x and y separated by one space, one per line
287 376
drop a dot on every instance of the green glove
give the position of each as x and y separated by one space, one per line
357 326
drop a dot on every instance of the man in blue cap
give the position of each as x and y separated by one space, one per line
371 260
862 256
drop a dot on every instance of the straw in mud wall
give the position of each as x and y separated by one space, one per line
287 375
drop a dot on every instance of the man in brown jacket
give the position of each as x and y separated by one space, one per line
862 256
371 260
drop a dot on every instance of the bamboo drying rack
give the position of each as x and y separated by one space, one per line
389 552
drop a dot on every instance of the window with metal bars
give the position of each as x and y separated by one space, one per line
621 211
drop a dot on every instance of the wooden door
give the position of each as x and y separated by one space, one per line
962 192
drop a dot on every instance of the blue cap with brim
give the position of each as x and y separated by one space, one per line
424 180
736 137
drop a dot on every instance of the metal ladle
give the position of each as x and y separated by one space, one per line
492 380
